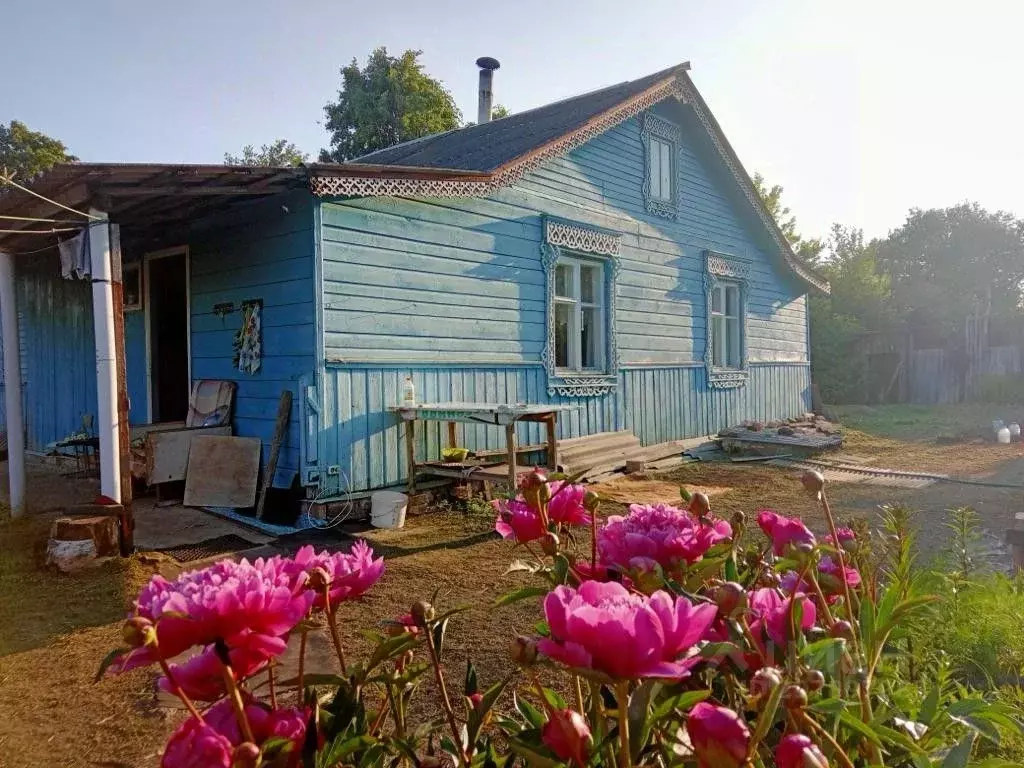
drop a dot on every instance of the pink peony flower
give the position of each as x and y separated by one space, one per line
517 521
566 505
568 736
798 751
658 534
197 745
847 538
602 627
719 736
211 744
202 677
242 605
351 574
771 612
784 532
831 576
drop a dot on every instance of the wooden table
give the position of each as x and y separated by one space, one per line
480 413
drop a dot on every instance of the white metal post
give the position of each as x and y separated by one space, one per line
12 386
106 357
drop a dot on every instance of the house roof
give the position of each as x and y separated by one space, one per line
486 147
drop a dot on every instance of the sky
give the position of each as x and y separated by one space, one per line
860 110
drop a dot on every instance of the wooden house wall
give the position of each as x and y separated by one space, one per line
452 292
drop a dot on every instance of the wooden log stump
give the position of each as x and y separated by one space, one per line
81 542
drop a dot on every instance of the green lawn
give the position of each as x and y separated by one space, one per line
926 422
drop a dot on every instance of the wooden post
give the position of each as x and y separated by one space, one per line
510 447
12 386
284 411
124 440
410 453
551 421
452 440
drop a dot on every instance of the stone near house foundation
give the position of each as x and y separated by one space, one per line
81 542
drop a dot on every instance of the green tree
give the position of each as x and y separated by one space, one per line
499 111
388 101
945 263
279 154
26 153
808 249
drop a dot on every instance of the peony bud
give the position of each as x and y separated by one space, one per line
246 755
533 480
549 544
798 751
738 519
568 736
813 482
138 631
591 501
700 505
422 612
794 697
814 680
719 736
764 681
474 700
319 579
523 651
843 629
729 597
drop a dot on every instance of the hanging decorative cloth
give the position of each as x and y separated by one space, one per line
74 257
249 339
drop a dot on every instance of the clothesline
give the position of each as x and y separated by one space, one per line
4 178
38 220
39 231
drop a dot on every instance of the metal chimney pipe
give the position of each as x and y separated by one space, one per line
486 96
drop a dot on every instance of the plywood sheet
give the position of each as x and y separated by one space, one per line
167 452
222 472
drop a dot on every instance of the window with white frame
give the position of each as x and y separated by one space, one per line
726 325
579 314
661 140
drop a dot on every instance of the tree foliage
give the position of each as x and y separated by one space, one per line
388 101
26 153
807 249
499 111
278 154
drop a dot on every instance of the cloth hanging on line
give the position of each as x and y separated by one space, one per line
74 257
248 341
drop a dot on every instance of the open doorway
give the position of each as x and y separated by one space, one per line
167 334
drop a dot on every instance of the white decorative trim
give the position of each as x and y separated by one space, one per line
719 267
367 186
580 238
652 125
692 98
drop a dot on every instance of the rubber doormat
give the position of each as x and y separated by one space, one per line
186 553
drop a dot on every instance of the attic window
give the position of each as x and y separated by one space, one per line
661 150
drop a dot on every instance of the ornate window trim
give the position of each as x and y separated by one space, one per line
653 126
565 238
720 268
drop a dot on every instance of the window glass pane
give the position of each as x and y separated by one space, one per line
666 171
718 341
563 280
654 166
590 338
716 300
590 284
563 313
733 327
732 301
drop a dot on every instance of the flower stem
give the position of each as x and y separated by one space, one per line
829 618
579 694
823 734
842 566
593 541
235 697
177 689
622 695
439 677
301 685
332 622
272 683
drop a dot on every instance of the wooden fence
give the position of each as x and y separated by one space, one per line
937 376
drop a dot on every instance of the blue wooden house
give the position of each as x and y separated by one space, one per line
607 252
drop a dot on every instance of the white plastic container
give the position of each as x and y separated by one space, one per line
1003 436
1014 428
408 392
387 509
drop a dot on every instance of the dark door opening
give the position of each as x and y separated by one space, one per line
168 337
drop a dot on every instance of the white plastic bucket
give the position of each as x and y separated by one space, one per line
387 509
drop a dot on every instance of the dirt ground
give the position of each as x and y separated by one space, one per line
55 629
